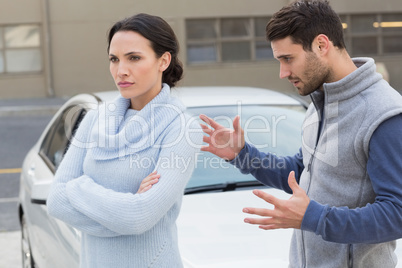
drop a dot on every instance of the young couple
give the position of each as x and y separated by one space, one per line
345 213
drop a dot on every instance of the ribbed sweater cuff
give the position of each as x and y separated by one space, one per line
240 157
312 216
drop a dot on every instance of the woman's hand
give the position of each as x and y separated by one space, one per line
147 183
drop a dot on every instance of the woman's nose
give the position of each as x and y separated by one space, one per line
122 70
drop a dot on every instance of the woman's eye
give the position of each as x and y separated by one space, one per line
134 58
113 59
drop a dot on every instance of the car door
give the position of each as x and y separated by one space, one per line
55 243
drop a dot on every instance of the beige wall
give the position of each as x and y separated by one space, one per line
30 85
12 11
366 6
78 33
77 42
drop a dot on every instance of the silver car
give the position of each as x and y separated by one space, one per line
210 226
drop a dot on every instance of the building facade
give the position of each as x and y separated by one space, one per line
58 48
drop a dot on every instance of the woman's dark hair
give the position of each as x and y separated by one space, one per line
303 21
161 37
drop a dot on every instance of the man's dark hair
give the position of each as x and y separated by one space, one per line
303 21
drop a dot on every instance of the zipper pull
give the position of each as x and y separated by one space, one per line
311 159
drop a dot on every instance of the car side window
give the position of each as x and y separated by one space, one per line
58 137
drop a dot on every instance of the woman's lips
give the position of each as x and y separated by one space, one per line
125 84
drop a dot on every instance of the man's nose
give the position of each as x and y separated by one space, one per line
284 72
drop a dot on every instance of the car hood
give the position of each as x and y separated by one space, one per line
212 232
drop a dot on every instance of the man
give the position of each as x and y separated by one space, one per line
346 186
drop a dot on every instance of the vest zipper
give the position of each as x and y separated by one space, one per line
350 264
311 161
319 134
309 168
304 262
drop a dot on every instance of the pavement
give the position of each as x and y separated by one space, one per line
10 249
10 241
30 106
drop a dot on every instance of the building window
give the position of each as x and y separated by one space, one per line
391 25
263 49
373 34
204 34
1 50
20 49
227 40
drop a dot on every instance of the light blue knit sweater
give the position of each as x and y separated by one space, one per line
95 187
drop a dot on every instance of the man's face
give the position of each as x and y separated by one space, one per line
305 70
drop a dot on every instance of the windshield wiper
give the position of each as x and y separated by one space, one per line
222 187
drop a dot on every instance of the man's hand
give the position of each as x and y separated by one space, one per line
223 142
286 213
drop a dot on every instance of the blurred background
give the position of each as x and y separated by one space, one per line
58 48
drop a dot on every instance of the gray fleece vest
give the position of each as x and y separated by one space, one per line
335 167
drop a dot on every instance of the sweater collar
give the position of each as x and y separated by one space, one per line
364 76
122 131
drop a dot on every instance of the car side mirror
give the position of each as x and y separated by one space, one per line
39 193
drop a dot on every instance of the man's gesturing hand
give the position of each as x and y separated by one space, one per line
223 142
286 213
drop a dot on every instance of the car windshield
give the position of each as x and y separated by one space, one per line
273 129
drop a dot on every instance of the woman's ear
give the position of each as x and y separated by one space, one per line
165 60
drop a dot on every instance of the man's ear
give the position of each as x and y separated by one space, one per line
165 60
321 44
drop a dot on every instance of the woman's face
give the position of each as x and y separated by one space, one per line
135 68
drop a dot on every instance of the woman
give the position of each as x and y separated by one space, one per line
120 182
